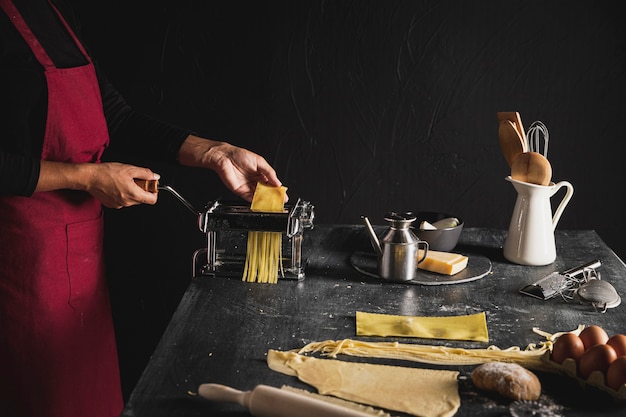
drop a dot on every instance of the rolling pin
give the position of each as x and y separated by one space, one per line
266 401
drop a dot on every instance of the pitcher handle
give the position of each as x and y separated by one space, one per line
568 195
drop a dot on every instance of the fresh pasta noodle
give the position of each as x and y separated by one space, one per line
264 249
263 257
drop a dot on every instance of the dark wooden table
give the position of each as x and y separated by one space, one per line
223 327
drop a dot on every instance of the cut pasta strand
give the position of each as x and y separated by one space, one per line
263 257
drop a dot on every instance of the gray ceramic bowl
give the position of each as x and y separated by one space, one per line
444 239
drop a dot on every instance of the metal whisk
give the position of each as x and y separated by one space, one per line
536 136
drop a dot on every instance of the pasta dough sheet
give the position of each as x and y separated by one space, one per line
268 199
419 392
470 327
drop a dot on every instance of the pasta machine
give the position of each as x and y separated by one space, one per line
226 226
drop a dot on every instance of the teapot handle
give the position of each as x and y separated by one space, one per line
423 251
568 195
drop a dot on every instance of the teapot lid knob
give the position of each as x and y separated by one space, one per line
407 216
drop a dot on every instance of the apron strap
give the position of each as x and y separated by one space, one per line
71 32
38 50
20 24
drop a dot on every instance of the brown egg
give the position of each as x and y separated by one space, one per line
618 342
616 374
593 335
596 358
568 345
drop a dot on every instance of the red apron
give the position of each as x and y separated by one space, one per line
58 355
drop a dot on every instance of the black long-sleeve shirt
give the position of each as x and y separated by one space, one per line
23 100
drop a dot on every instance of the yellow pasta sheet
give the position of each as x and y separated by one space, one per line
268 199
419 392
469 327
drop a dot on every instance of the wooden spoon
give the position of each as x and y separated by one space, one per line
531 167
516 118
511 141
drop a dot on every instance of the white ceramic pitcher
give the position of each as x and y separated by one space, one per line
530 240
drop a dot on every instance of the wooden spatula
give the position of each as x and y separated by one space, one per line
511 142
514 117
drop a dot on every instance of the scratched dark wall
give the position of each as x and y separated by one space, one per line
364 107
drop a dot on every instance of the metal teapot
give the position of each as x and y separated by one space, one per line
399 249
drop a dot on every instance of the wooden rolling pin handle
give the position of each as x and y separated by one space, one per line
151 186
266 401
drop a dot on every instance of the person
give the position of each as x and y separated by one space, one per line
58 115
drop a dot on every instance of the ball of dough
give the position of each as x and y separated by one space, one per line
507 379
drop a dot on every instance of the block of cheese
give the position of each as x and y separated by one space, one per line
446 263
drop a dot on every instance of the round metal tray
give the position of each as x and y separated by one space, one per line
478 266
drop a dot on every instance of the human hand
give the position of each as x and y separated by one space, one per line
238 168
114 185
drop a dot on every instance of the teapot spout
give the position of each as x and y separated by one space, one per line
373 237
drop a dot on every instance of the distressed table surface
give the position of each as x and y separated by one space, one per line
223 328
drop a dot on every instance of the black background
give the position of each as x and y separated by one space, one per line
362 107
